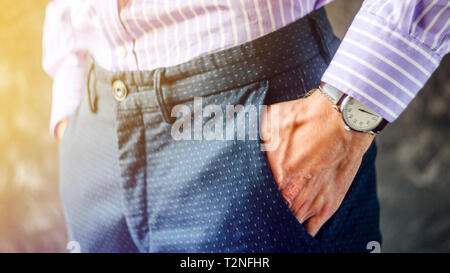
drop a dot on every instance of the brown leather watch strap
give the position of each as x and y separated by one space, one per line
380 126
377 129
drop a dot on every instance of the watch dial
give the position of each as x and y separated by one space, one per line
360 117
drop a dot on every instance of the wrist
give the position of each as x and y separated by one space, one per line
327 117
357 116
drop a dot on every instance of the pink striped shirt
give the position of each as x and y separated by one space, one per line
145 34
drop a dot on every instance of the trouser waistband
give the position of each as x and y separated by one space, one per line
265 57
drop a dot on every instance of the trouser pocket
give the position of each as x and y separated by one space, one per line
203 184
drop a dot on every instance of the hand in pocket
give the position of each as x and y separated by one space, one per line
316 159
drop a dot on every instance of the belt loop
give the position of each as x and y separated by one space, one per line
91 101
319 34
158 74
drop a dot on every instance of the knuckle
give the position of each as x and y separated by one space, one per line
327 211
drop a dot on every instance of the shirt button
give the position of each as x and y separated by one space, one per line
119 90
121 52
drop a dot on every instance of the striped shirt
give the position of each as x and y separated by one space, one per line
387 55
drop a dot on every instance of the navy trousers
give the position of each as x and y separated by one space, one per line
128 185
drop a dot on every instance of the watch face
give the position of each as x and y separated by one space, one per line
358 116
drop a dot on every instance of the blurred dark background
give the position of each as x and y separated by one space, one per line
413 161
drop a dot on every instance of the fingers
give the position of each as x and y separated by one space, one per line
60 128
293 185
315 223
313 203
290 189
310 206
304 212
306 194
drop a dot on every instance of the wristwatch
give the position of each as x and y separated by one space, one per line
356 115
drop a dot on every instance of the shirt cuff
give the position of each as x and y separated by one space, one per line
380 65
68 86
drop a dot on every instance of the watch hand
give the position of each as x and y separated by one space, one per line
362 110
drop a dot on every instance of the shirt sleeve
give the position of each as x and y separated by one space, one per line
390 51
63 60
